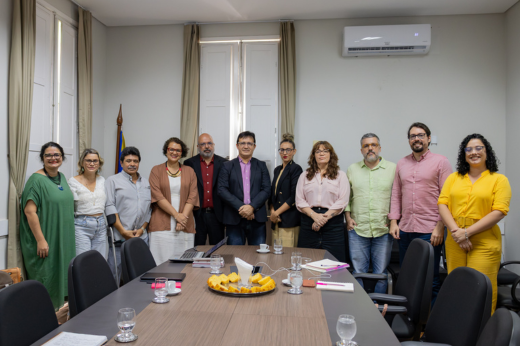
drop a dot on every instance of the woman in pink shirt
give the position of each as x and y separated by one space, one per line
322 194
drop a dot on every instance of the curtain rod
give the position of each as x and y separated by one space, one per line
243 22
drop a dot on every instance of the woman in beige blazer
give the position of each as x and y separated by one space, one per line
174 196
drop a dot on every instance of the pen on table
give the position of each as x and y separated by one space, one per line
325 284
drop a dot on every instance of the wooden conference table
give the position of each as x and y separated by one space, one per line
199 317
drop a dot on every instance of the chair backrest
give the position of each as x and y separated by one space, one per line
502 329
26 313
461 310
136 259
415 280
90 279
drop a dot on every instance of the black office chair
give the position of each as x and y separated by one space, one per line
394 267
26 313
502 329
136 259
462 309
410 305
509 297
90 279
505 276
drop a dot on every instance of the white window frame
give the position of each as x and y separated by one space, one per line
238 114
52 122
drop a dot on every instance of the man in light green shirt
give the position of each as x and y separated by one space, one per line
370 190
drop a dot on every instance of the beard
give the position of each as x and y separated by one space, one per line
371 159
417 149
205 154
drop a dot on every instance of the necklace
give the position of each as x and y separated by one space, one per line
55 180
173 175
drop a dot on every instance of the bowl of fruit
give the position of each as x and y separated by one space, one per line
229 285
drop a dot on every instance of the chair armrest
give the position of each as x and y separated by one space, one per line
393 310
513 291
508 263
370 276
382 298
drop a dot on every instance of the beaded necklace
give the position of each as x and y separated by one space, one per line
173 175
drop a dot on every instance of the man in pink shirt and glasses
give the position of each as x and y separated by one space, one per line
417 184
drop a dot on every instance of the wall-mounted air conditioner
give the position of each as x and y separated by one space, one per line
385 40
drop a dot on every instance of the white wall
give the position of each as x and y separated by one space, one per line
144 74
512 246
99 56
457 89
67 7
239 29
5 48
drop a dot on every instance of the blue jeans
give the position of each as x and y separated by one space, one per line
91 234
404 242
251 230
365 250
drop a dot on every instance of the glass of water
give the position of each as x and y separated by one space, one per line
346 329
296 280
215 264
161 290
296 261
126 323
278 246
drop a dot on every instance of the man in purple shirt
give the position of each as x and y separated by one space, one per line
244 186
417 184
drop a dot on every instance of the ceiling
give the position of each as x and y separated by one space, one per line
156 12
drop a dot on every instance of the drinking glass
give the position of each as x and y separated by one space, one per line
126 323
296 279
278 246
161 290
215 264
346 329
296 261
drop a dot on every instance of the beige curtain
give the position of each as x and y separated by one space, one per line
287 74
190 88
21 79
85 79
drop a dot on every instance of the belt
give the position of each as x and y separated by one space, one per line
465 221
208 210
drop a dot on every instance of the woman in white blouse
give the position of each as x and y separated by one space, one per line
88 188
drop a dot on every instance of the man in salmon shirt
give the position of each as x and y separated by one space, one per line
417 184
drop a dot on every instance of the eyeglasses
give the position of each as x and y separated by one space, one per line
52 156
246 144
478 149
92 162
370 145
172 150
420 136
325 151
285 151
207 144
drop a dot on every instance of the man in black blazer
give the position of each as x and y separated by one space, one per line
208 218
244 186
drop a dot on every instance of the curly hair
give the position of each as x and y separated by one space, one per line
178 141
332 167
491 160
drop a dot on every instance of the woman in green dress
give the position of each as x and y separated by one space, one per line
47 224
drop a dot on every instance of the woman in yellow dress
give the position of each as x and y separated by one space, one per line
473 200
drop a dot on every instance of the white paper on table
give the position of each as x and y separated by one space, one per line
67 339
244 270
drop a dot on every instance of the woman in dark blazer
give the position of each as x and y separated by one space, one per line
285 218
